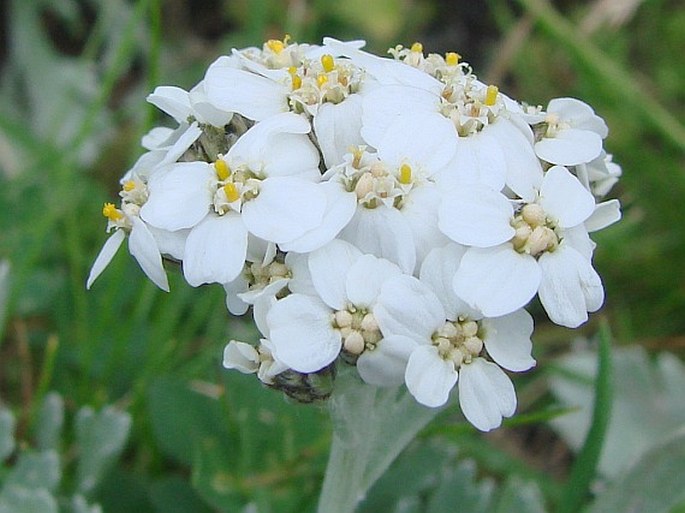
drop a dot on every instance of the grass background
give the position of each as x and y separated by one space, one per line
73 77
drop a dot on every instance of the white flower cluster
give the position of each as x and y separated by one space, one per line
394 214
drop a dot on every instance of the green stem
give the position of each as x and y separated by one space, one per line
371 426
618 82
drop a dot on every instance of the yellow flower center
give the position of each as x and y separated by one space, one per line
111 212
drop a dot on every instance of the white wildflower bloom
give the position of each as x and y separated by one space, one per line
264 185
308 332
491 145
449 337
289 77
395 194
142 244
540 246
572 134
248 359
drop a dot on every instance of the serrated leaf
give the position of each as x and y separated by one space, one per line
648 405
101 437
15 499
7 424
50 421
35 470
654 484
520 496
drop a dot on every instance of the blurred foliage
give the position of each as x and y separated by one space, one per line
73 77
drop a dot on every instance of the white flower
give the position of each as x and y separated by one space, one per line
448 340
542 246
265 185
142 244
249 360
573 133
308 332
394 193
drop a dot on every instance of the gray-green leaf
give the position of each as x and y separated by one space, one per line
7 423
50 421
101 437
15 499
648 406
35 470
655 484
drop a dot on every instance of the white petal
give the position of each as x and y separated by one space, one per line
409 308
507 340
338 127
438 271
172 100
185 140
143 247
385 105
383 232
498 280
570 287
523 169
285 209
478 160
578 238
156 137
235 90
420 210
564 198
385 366
302 334
329 266
425 139
570 147
340 207
301 280
429 378
170 243
204 111
476 216
180 196
241 356
486 394
605 214
278 146
578 114
366 277
109 249
215 250
234 304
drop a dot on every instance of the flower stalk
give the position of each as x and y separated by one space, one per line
371 427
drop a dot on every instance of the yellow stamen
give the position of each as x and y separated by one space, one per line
232 193
275 46
405 174
321 79
297 82
111 212
222 169
417 47
491 95
328 63
452 58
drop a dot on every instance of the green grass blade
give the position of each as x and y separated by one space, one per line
584 468
618 83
